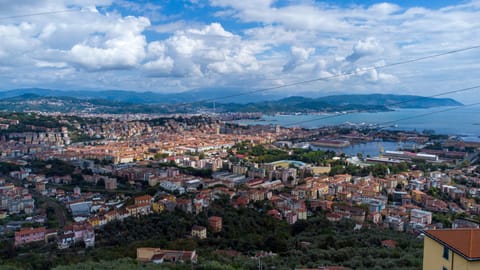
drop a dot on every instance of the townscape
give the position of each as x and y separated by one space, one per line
64 179
239 135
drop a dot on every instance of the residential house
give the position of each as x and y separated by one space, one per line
199 232
75 233
451 249
464 223
139 210
355 213
30 235
158 255
421 216
185 205
145 199
215 223
395 223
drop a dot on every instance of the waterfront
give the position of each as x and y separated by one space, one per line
461 121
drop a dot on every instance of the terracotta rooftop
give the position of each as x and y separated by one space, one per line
143 198
465 242
28 231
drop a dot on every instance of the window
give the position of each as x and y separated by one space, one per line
445 252
444 268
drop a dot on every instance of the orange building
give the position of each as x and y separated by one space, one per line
215 223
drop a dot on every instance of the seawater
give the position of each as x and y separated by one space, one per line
460 121
457 121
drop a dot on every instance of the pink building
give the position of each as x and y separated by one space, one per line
29 235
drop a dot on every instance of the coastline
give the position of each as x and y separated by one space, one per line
452 123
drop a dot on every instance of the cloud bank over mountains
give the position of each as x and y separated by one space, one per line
248 44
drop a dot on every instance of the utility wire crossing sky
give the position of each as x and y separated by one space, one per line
172 46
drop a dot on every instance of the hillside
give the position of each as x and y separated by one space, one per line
133 102
371 103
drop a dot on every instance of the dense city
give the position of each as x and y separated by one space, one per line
72 186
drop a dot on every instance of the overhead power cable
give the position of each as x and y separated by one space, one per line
39 14
391 104
413 60
429 113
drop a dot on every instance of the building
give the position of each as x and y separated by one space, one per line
77 191
40 186
463 223
137 210
421 216
79 232
215 223
29 235
80 208
111 183
199 231
145 199
157 255
171 187
451 249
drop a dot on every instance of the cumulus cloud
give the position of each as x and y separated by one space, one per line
122 47
296 16
253 43
298 57
373 75
17 43
369 46
203 51
384 8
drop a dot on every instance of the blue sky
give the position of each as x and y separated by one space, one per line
179 45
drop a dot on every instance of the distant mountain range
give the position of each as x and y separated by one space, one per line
372 102
222 95
148 102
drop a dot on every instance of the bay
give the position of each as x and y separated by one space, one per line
459 121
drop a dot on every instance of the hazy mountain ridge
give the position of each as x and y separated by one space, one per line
371 102
391 100
119 102
147 97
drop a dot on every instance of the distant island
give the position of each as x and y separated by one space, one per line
150 103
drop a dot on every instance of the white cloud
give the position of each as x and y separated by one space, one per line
292 16
206 51
170 27
369 46
384 9
298 57
122 45
253 44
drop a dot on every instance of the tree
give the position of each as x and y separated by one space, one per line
101 182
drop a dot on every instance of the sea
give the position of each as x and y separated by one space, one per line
463 122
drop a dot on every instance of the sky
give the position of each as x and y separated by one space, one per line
180 45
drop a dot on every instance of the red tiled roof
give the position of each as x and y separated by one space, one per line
464 241
389 243
143 198
28 231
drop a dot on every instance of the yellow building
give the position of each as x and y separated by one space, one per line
452 249
158 207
